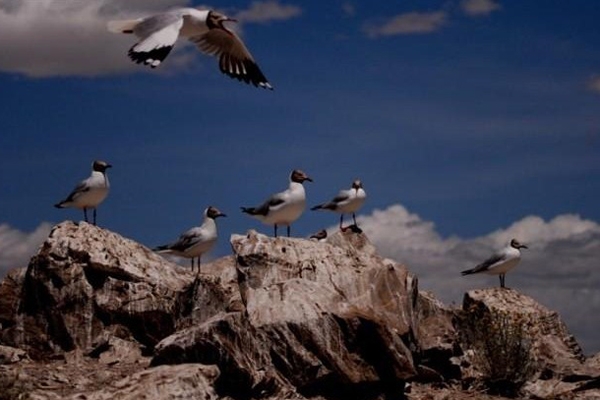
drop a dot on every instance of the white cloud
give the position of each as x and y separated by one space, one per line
476 8
46 38
407 24
559 269
267 11
16 247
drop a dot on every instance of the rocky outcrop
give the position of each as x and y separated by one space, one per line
281 318
517 344
317 319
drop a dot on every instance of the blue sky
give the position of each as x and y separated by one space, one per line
472 115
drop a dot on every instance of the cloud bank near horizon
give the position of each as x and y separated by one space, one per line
558 269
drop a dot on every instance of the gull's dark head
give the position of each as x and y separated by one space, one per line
357 184
517 245
215 20
100 166
299 176
213 212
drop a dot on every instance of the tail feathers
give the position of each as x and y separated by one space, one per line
122 26
162 249
60 205
467 272
249 210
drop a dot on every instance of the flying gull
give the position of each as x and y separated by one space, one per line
285 207
205 28
195 241
90 192
501 262
346 201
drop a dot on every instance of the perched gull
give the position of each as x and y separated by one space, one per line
501 262
158 34
90 192
346 201
196 241
285 207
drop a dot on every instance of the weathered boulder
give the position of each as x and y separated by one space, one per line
516 345
85 278
11 289
318 318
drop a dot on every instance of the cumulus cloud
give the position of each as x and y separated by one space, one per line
267 11
45 38
17 247
559 269
57 38
407 24
476 8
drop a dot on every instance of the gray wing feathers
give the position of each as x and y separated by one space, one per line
486 264
186 240
235 60
81 187
155 23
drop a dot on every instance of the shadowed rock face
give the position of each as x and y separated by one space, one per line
281 318
319 318
84 279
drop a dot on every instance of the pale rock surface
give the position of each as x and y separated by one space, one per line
318 318
281 318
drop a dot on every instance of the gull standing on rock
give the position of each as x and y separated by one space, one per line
90 192
196 241
346 201
501 262
205 28
285 207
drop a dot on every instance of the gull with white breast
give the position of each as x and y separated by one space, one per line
346 201
205 28
90 192
285 207
501 262
195 241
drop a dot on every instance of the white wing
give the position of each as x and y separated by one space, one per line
158 35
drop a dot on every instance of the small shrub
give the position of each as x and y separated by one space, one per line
503 347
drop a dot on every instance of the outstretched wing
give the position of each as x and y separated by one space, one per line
234 58
158 35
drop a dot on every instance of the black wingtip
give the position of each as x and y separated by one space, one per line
152 58
316 207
